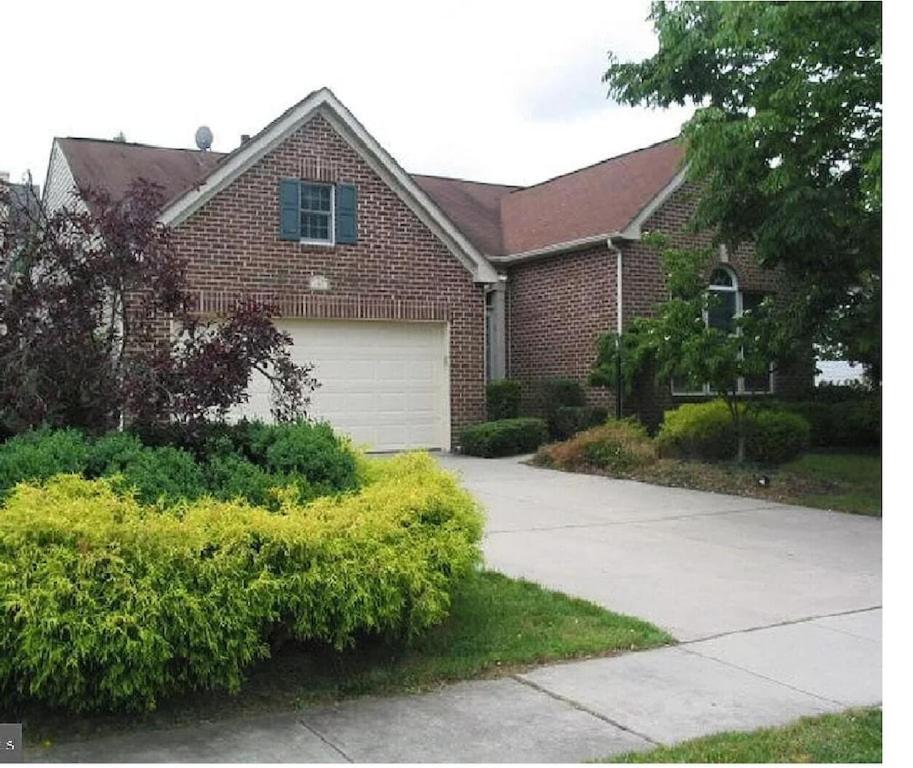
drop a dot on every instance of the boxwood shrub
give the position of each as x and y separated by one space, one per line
502 398
111 605
507 437
776 436
40 454
568 420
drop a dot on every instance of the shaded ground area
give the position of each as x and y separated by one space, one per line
841 481
849 737
498 626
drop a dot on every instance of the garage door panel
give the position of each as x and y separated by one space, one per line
384 384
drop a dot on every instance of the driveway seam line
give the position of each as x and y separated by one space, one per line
765 677
547 528
326 740
582 708
786 623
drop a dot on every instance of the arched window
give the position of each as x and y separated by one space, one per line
727 304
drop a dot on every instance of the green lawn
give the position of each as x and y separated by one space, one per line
855 481
497 625
850 737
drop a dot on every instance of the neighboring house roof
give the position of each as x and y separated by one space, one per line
114 165
601 199
475 219
474 206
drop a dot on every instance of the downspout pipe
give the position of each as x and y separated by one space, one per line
619 324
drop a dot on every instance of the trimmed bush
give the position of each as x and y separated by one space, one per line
698 431
554 395
617 446
568 420
113 453
162 475
853 423
775 437
507 437
41 454
704 431
112 605
503 399
312 451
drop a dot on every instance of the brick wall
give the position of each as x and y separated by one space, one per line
559 306
397 270
556 310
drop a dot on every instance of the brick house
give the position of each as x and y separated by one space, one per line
408 292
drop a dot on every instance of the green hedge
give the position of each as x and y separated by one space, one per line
507 437
112 605
249 460
704 431
503 399
852 423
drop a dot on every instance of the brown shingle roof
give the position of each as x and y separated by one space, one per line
599 199
475 207
114 165
497 218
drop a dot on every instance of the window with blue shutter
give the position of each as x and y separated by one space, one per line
346 214
289 209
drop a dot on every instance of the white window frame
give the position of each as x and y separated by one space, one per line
331 241
706 390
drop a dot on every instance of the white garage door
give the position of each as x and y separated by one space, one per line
384 384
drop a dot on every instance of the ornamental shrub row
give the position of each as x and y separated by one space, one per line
705 431
109 604
248 460
507 437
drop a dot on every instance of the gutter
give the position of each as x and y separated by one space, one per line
619 323
552 250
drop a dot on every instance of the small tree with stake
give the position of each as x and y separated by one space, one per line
682 341
88 295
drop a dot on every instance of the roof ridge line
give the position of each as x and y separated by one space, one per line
598 162
142 144
467 181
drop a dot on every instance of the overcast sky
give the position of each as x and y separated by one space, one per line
494 91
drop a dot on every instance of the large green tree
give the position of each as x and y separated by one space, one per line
786 144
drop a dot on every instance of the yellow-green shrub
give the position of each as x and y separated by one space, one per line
109 604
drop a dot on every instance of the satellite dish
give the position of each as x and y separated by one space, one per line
203 137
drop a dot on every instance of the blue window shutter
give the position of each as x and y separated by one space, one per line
289 209
346 214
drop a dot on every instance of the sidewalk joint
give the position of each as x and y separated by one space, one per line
326 741
580 707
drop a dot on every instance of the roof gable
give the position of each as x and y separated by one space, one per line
325 103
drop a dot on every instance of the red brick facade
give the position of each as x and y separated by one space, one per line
556 310
559 306
398 270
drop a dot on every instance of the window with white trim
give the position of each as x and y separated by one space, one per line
728 305
317 213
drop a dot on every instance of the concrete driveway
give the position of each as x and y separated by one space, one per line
697 564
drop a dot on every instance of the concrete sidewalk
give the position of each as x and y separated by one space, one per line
558 713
